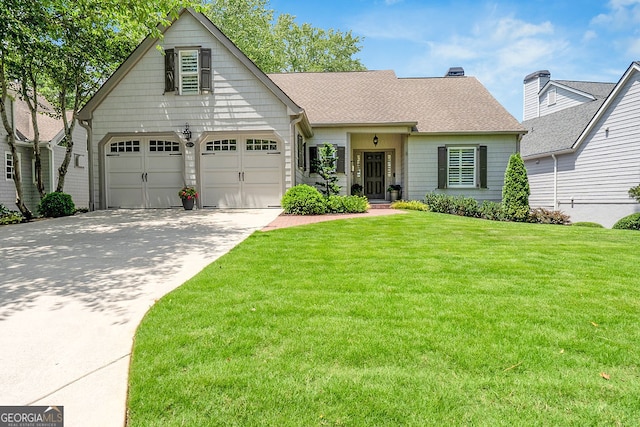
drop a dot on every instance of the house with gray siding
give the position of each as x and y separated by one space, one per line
52 153
191 109
582 149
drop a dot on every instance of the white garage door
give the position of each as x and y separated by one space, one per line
241 173
143 173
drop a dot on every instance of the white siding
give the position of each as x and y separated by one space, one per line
593 182
76 182
530 105
422 164
336 136
564 99
239 100
540 174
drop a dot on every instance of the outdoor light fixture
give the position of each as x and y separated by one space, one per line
375 140
186 132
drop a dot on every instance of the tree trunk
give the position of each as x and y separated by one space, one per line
32 103
24 210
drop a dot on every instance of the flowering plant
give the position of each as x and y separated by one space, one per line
188 192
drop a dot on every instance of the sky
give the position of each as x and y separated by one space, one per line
498 42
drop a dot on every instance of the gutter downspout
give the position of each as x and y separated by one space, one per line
555 182
52 165
294 148
87 125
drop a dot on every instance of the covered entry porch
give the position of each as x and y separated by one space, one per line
377 163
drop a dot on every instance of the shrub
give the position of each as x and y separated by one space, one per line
9 217
492 211
454 205
587 224
545 216
439 203
631 222
303 200
56 205
413 205
515 193
347 204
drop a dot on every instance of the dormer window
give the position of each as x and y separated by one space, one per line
192 75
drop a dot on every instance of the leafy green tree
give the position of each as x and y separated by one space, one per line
515 192
282 45
326 166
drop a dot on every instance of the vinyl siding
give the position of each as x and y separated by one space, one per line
593 182
422 164
335 136
540 174
564 99
530 109
239 101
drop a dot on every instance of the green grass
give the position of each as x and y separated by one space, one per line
416 319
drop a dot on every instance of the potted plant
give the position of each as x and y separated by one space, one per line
188 194
356 190
394 191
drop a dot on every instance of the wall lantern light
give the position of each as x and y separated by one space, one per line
375 140
186 132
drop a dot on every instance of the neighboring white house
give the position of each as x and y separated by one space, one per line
52 154
582 150
197 111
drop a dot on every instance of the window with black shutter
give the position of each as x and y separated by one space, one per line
187 71
313 159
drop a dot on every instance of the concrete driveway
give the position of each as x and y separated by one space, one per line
73 291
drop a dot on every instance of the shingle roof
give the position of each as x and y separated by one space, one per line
435 105
598 90
558 131
48 125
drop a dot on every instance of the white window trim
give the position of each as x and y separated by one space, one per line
182 74
551 97
475 167
7 158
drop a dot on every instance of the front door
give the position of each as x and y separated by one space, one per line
374 175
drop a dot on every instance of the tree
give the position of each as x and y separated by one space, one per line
515 192
281 45
326 167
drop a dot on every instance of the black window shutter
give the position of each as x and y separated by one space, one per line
340 167
482 151
169 70
304 153
442 167
205 70
300 152
313 158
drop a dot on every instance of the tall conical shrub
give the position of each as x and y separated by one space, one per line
515 193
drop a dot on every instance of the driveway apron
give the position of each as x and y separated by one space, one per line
73 291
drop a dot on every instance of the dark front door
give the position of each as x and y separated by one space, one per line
374 175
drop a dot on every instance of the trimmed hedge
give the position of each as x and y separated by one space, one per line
347 204
306 200
467 206
303 200
631 222
56 205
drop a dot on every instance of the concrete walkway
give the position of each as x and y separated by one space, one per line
73 291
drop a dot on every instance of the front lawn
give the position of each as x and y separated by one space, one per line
414 320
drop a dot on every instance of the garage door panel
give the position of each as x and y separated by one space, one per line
149 175
242 177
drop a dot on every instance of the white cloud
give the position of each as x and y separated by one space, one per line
589 35
623 15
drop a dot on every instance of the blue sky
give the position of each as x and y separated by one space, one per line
498 42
